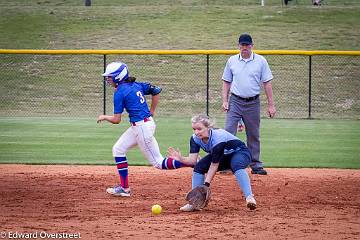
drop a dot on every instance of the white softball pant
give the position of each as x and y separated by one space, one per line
142 135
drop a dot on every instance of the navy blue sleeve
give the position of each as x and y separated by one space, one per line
154 90
150 89
194 148
217 154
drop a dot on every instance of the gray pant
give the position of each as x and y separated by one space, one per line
250 113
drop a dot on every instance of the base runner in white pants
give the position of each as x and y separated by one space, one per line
130 96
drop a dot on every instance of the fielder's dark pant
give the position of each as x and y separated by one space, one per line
249 111
234 161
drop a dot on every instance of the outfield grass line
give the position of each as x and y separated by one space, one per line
285 143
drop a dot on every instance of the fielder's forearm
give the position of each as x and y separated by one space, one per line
211 172
190 160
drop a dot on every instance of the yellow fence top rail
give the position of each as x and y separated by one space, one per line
175 52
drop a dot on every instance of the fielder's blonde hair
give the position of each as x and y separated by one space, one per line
204 119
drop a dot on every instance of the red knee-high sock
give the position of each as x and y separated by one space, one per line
170 163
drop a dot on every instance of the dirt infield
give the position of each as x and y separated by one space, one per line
292 204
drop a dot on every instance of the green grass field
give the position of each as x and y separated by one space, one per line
59 85
285 143
186 24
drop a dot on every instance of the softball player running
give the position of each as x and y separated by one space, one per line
130 96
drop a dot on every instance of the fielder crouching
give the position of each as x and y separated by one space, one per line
130 96
225 151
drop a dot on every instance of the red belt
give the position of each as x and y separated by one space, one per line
142 121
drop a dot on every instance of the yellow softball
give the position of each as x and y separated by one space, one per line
156 209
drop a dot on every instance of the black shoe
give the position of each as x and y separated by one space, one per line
259 171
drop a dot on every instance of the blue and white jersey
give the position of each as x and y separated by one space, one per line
131 96
220 143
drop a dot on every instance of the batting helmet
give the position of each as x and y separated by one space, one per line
118 71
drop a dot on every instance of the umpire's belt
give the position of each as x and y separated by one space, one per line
246 99
141 122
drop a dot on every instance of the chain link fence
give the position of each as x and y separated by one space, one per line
71 85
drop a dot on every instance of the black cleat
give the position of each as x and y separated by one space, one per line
259 171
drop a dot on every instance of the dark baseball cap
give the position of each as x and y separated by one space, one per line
245 39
